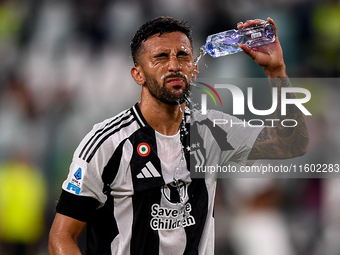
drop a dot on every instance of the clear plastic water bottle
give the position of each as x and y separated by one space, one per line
226 43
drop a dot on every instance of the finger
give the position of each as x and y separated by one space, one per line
239 25
257 21
249 23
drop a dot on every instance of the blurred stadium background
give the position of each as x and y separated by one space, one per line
65 65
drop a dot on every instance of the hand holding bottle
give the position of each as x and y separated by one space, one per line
269 56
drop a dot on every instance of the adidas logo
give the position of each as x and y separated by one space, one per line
148 171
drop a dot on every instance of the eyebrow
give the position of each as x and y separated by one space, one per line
183 52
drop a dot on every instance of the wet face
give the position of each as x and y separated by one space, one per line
167 65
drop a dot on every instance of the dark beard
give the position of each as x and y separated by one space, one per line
163 94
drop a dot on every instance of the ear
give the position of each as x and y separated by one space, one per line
138 75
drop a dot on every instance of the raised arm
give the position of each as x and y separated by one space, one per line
63 238
277 142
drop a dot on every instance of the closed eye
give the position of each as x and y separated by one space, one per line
161 55
182 53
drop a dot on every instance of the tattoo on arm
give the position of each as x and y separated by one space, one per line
282 141
261 148
263 136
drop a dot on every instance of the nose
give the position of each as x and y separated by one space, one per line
174 65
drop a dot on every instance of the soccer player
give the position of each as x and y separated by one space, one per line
129 181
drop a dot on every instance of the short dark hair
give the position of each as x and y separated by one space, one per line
159 26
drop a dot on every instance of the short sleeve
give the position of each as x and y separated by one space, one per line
83 189
77 207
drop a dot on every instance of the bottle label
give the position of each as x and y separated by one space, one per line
255 35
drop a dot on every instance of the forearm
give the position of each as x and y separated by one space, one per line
62 244
293 135
282 141
64 234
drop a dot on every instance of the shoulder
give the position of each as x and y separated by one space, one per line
111 131
122 121
113 121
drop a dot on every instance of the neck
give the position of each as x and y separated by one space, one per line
162 117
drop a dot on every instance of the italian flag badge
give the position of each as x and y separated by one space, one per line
143 149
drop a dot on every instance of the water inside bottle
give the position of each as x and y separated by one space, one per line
224 43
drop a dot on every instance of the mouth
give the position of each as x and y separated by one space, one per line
175 81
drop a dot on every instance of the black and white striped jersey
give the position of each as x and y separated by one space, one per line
121 182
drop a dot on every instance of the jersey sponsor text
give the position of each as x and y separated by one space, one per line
167 218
